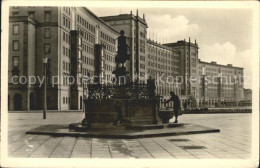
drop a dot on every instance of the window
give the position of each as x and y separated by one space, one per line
15 45
47 33
16 29
64 50
47 16
15 13
142 66
47 48
31 15
15 61
64 21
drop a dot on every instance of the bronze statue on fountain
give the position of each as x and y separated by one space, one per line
123 54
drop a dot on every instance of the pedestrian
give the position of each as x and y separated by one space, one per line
176 105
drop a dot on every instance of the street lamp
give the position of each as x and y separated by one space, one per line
45 61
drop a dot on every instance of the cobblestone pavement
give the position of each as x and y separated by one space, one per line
233 141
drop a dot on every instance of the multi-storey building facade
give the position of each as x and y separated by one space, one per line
163 64
74 39
199 75
188 60
78 44
219 84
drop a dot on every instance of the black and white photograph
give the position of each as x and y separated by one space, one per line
129 84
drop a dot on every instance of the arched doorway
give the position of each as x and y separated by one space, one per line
17 102
80 102
31 101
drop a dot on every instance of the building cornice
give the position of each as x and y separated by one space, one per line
215 64
181 43
22 19
124 17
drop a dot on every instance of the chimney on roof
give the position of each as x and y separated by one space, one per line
143 16
189 39
131 12
137 12
195 41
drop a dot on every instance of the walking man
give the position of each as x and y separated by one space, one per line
176 105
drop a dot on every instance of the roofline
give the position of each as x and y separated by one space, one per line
99 19
129 16
158 45
181 43
219 64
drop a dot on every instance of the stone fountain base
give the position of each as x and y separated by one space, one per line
123 131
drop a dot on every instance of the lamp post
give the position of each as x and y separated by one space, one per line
45 61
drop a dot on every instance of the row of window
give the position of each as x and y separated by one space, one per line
142 34
87 72
108 47
66 22
107 38
66 100
142 66
66 66
65 80
161 52
142 49
66 37
109 58
109 68
211 69
47 47
47 31
158 65
66 9
163 60
142 43
89 37
88 49
142 58
86 24
88 61
66 52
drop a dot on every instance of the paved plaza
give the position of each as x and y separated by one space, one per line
233 141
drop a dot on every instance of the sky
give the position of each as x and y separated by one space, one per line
223 35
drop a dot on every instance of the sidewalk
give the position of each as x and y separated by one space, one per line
233 141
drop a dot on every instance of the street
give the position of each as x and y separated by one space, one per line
233 141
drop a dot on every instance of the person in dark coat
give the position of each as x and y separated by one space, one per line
176 105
